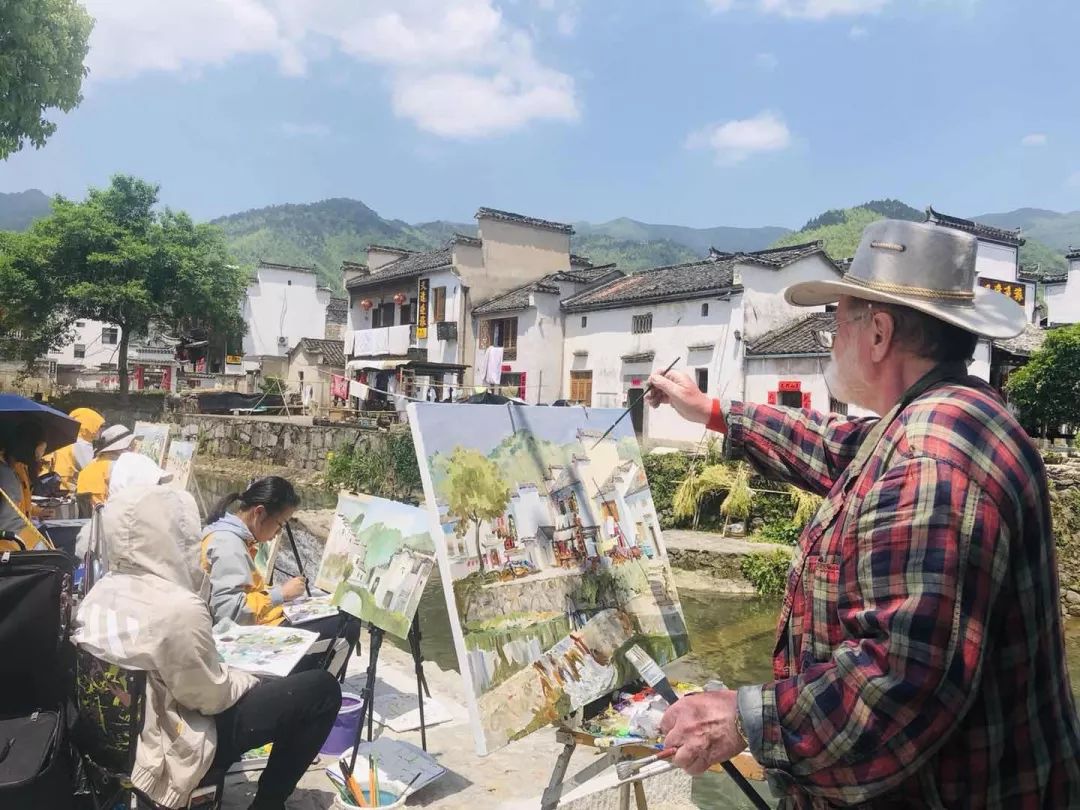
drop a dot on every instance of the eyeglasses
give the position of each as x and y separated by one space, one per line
825 338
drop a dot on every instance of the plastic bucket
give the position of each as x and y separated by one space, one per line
342 736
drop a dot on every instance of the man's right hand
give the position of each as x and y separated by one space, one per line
681 393
293 589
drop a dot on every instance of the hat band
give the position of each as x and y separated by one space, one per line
919 292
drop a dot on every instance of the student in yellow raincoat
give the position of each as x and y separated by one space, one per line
22 447
92 486
68 462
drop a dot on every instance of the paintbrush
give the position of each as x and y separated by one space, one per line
412 782
373 780
634 404
629 767
654 676
350 783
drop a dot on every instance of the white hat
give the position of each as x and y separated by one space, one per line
923 267
115 437
135 469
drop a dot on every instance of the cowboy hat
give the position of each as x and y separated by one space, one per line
115 437
924 267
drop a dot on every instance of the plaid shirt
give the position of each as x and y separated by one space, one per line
920 657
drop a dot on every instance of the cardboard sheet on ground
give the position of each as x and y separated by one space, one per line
400 711
152 440
263 649
377 560
178 461
553 555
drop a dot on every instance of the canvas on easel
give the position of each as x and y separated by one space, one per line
377 560
152 440
179 461
551 558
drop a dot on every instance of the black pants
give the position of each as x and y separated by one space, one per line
330 627
295 714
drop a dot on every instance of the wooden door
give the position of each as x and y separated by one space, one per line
581 387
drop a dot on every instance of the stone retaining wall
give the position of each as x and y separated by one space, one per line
277 442
1065 505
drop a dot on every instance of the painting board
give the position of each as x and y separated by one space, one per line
263 649
551 558
377 560
309 609
152 440
178 461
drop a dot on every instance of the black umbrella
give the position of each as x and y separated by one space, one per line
489 398
58 428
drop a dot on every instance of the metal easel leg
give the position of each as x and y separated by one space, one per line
553 792
639 796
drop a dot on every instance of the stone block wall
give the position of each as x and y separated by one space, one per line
268 441
117 408
1064 481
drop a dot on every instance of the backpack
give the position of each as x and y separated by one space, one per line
36 679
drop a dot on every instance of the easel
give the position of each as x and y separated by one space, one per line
367 710
570 738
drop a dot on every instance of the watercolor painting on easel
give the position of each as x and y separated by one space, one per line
551 557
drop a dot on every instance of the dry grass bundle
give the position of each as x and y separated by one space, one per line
806 505
736 505
697 486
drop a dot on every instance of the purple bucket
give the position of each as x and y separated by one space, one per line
343 735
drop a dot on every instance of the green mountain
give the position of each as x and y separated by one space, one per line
698 240
1057 231
20 209
841 228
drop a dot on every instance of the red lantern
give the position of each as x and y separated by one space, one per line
367 303
399 299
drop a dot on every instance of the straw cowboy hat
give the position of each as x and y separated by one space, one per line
115 437
923 267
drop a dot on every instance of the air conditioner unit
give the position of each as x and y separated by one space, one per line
282 341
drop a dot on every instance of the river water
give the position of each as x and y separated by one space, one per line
731 636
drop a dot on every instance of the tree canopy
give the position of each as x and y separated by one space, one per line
1047 390
475 491
42 47
114 258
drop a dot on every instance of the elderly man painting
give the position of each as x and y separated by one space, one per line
919 659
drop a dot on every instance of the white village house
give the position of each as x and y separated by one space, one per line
1063 293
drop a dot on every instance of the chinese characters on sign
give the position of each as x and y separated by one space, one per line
421 308
1016 290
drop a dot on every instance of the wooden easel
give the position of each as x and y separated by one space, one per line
367 710
571 738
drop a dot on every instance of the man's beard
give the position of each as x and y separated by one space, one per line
839 379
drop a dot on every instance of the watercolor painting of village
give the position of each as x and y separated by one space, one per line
551 558
377 560
152 440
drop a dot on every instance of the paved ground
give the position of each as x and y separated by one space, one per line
685 540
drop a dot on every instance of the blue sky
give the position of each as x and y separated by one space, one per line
693 112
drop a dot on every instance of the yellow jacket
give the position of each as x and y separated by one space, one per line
237 589
65 462
94 480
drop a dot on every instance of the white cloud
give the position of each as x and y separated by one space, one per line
733 142
309 130
766 61
1034 139
423 47
857 32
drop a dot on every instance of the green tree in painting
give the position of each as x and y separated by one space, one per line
474 492
42 47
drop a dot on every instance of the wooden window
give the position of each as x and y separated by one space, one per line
641 324
383 315
408 312
109 335
440 305
790 399
503 332
703 380
836 406
581 387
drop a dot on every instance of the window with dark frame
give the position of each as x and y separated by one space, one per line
836 406
110 335
705 310
439 313
790 399
641 324
80 351
702 377
584 321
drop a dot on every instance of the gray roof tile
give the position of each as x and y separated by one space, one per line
414 264
690 280
988 232
521 219
518 298
794 337
333 351
337 311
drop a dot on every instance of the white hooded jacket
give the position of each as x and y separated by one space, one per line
150 613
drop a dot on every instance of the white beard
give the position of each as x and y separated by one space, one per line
838 379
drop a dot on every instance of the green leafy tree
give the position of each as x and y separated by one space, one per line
1047 390
33 318
474 491
114 258
42 47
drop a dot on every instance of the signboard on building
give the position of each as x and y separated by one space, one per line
233 360
422 308
1016 290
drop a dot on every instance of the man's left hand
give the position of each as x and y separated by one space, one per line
702 727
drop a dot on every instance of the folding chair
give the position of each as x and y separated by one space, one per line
111 700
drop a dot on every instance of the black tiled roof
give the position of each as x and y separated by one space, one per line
411 265
332 351
773 257
518 298
987 232
391 249
462 239
676 282
279 266
337 311
1074 253
794 337
521 219
1025 344
579 261
638 357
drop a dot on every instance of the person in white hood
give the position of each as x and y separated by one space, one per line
150 613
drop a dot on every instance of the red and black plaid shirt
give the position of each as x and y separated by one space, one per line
920 652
